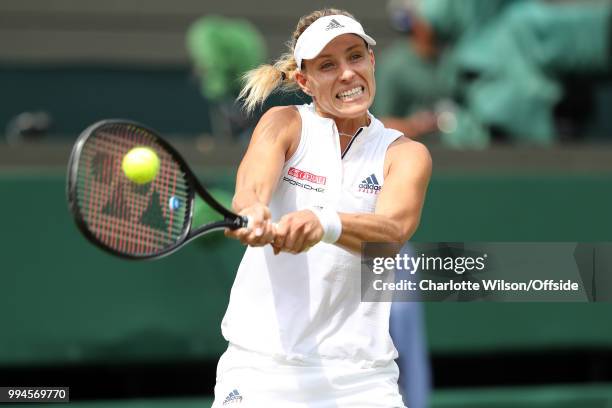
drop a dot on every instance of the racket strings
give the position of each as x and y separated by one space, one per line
135 219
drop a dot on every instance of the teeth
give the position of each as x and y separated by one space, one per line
351 92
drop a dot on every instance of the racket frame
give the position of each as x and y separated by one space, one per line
231 220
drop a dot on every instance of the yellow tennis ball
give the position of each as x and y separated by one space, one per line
140 165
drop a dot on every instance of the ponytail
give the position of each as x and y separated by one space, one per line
260 82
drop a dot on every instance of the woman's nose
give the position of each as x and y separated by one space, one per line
346 72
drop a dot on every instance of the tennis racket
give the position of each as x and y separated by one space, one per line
131 220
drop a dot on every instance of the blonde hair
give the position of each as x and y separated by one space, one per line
260 82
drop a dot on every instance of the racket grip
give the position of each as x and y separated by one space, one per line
247 222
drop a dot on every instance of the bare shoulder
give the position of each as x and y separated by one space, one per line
279 128
408 153
280 120
287 113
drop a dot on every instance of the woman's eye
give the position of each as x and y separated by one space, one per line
355 57
327 65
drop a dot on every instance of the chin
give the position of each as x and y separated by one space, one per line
354 111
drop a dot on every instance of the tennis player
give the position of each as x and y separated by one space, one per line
332 177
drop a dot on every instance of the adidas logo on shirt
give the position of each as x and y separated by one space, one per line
333 24
233 398
370 185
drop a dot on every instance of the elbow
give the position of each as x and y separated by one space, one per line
404 232
397 235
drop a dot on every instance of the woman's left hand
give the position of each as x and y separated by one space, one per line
296 232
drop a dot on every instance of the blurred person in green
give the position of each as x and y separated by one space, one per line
417 76
222 49
513 73
411 74
498 68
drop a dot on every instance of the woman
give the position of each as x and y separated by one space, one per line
333 177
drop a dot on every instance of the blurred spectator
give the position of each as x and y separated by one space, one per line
407 328
417 77
411 75
222 49
494 69
512 73
28 126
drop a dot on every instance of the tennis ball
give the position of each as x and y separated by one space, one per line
140 165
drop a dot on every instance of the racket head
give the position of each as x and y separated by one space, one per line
133 221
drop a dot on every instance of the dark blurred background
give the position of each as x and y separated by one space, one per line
513 98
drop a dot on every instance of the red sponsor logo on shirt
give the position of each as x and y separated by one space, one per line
304 175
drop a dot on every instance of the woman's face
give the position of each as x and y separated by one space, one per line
341 78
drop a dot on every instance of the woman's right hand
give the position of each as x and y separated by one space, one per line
260 230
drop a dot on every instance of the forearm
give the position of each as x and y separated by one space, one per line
360 228
251 191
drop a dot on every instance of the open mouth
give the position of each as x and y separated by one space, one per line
351 94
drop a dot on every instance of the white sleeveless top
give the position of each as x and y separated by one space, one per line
307 308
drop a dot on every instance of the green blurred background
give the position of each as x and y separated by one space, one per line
132 334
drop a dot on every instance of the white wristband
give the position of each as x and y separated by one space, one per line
330 221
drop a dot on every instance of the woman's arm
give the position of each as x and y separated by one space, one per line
397 213
274 140
399 205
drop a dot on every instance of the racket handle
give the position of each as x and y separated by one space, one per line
247 222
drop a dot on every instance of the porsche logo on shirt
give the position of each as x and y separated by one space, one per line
305 180
304 175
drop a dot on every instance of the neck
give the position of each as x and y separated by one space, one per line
348 126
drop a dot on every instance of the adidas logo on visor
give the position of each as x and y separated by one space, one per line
314 39
333 24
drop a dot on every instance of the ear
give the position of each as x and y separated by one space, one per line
302 81
372 59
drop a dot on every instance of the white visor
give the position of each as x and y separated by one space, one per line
321 32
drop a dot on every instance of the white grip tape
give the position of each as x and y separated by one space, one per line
330 221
